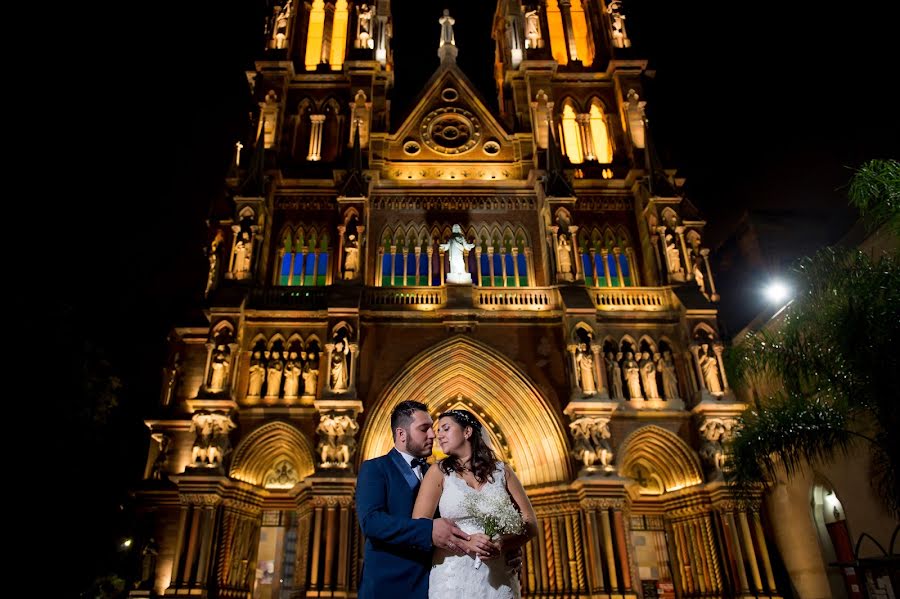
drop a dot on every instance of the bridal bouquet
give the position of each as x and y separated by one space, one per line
495 513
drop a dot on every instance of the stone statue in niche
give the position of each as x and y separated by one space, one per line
257 374
292 370
161 461
280 29
584 362
456 247
648 376
149 557
532 28
364 37
709 366
310 373
666 366
274 372
219 367
564 251
211 442
632 377
617 24
635 110
673 255
351 258
614 373
591 436
340 365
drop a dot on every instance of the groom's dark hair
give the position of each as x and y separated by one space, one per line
403 414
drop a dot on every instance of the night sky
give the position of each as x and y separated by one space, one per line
761 106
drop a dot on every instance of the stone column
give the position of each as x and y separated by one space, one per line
584 130
573 379
351 383
430 258
709 275
503 264
565 7
605 258
600 371
718 348
685 257
379 267
617 252
315 137
576 256
632 267
515 259
393 265
340 252
594 274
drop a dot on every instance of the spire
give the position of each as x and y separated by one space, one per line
447 49
355 185
556 185
255 183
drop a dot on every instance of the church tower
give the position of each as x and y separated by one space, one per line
537 266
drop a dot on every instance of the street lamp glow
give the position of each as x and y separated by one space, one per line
126 543
777 292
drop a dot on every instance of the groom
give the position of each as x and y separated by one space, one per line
397 556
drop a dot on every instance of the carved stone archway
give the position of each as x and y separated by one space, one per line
664 454
268 446
530 425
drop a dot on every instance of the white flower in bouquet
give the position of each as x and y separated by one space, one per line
496 515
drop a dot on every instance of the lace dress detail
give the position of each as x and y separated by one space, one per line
455 576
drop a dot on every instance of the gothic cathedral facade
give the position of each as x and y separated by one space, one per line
578 322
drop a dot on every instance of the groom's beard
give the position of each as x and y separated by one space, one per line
419 451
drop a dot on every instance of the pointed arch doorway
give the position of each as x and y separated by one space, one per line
462 372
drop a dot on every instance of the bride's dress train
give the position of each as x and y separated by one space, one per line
455 576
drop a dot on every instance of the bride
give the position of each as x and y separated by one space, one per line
471 467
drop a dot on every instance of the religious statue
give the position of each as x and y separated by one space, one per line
280 30
292 371
447 23
532 29
337 442
591 436
673 255
614 372
632 377
456 246
274 372
149 556
714 432
666 366
211 442
310 373
340 363
617 24
564 251
698 276
364 26
635 109
212 253
242 248
709 366
219 366
648 376
351 258
257 374
584 361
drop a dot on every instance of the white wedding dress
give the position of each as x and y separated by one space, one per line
455 576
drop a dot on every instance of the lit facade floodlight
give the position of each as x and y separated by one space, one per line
777 292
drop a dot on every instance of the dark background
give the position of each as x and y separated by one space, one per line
762 107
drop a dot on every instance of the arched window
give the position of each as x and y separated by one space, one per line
406 258
304 258
326 36
571 136
600 135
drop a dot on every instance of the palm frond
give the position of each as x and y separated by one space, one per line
875 191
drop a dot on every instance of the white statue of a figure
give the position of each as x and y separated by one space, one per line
564 250
532 29
710 368
310 373
340 366
667 367
673 254
591 436
257 374
273 375
648 376
617 24
351 258
364 26
632 377
714 431
585 362
291 375
220 367
456 246
447 23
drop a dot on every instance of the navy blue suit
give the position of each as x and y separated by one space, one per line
397 556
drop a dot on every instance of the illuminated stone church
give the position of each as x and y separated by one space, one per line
578 321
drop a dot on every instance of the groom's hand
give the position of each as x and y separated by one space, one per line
447 535
514 559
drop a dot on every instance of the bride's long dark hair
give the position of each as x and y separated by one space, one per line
484 461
